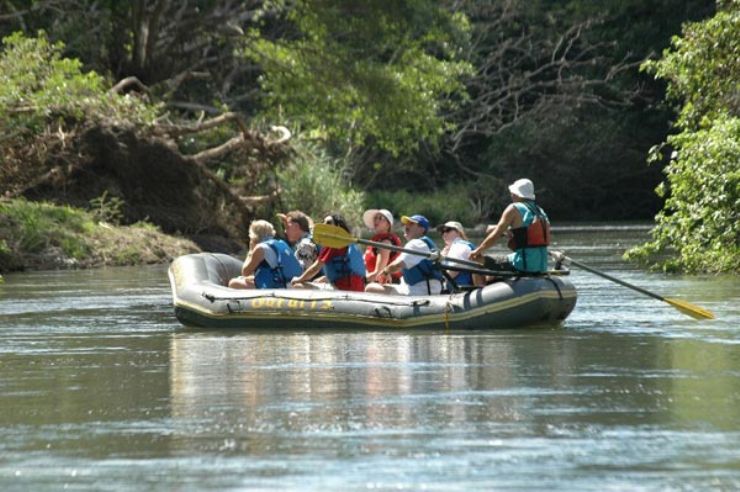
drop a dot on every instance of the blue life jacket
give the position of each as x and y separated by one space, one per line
350 263
425 269
530 258
287 267
463 279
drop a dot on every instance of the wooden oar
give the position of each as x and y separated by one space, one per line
685 307
336 237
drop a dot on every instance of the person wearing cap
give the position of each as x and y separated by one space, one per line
457 246
297 226
420 275
529 230
380 221
343 267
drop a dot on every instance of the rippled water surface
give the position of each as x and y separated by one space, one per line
102 389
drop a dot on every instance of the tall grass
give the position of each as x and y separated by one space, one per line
313 183
467 203
35 226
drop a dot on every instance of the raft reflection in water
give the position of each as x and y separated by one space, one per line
291 391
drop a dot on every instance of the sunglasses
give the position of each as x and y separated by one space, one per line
448 229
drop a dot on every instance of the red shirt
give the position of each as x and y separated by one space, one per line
352 282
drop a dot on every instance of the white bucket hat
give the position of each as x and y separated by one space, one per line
369 215
523 188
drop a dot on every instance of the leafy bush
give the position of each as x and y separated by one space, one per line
313 183
39 85
699 226
46 101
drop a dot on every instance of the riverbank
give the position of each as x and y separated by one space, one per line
42 236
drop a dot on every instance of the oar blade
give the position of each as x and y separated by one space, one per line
332 236
692 310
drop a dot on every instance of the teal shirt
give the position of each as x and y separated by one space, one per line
536 257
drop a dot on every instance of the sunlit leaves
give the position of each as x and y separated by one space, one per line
37 83
699 226
364 70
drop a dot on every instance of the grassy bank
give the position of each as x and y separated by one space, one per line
40 236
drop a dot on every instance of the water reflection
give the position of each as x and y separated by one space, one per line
101 385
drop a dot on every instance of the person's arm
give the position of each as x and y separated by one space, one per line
380 262
507 218
393 266
254 258
309 273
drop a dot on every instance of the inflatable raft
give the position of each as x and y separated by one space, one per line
201 300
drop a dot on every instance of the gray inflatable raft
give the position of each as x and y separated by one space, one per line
201 300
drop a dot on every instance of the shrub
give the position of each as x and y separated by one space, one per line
312 182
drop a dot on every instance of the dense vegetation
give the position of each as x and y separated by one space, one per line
416 105
699 227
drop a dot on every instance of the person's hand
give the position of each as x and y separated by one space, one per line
371 277
476 255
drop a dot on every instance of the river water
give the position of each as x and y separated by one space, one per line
102 389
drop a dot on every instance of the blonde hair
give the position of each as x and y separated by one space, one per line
260 229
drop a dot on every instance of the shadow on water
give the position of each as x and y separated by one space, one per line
102 389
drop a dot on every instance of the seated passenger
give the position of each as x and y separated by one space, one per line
457 246
343 267
529 231
380 221
297 226
270 263
420 275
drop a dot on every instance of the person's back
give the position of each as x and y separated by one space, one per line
529 242
529 227
344 267
278 267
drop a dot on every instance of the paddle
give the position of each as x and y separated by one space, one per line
687 308
336 237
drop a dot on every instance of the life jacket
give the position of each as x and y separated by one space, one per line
371 253
530 241
286 267
463 279
345 265
425 270
535 229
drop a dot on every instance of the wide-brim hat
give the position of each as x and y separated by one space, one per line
369 215
416 219
523 188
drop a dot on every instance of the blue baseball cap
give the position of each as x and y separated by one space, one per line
416 219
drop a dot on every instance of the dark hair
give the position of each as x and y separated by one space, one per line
338 220
299 218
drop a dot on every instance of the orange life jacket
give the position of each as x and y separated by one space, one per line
534 235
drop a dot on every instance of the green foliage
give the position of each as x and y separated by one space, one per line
699 226
107 208
360 71
33 227
313 183
39 87
463 202
702 68
43 235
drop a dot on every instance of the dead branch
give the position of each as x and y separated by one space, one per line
127 82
